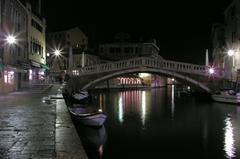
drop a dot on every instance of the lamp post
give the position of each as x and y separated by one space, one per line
9 74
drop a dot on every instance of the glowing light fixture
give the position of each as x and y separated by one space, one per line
230 53
142 75
11 39
57 52
211 70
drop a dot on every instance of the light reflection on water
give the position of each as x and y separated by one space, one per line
143 116
172 102
229 145
132 101
120 108
183 125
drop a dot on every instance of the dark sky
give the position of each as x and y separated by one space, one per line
182 28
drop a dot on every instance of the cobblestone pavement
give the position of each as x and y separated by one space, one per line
28 126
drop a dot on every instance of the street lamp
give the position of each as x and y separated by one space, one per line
9 74
11 39
230 52
57 52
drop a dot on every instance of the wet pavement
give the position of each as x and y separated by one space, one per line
30 128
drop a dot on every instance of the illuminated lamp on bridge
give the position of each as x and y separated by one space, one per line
211 70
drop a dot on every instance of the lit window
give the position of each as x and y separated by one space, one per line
5 76
30 74
41 75
9 77
75 72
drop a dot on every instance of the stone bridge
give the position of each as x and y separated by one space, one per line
197 76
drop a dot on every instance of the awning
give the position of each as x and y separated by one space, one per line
45 66
1 66
35 64
24 65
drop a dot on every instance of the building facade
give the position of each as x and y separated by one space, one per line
13 21
73 37
121 51
84 59
218 43
15 58
225 37
36 46
73 47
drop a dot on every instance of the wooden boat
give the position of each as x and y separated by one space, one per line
81 97
88 116
228 96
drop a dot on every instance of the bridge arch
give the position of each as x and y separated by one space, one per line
147 70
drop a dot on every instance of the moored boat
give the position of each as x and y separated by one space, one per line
228 96
81 97
88 116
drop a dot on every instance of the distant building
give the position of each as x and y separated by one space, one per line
218 43
73 45
16 67
73 37
65 41
226 37
121 51
84 58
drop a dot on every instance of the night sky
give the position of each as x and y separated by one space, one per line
182 28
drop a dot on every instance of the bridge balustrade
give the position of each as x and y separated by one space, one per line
145 62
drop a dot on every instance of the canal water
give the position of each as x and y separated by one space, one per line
160 123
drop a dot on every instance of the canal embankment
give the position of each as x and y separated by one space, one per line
68 144
31 128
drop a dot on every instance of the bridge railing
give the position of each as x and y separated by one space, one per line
146 62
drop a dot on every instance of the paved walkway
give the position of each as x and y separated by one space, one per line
31 129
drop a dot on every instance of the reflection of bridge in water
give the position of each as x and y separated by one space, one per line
196 75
